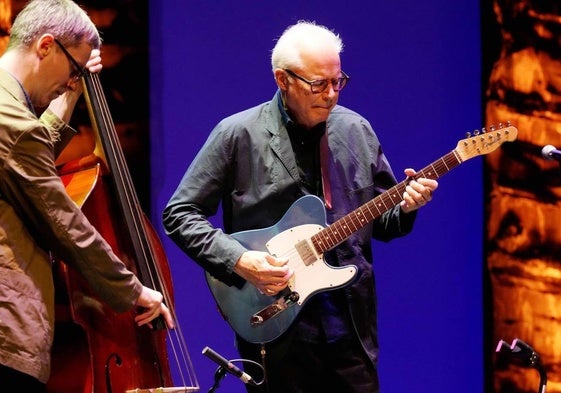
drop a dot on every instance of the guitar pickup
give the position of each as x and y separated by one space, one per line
306 252
281 304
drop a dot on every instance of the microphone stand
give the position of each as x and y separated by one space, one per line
525 354
227 366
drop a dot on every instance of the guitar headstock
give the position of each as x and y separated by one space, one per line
485 142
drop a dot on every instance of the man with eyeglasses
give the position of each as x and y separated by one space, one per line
257 164
52 43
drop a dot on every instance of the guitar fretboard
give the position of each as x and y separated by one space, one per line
345 226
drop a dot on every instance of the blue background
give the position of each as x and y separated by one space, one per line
416 74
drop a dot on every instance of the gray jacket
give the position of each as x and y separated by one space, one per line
247 165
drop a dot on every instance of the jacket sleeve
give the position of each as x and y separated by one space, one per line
31 185
364 172
62 132
394 222
186 218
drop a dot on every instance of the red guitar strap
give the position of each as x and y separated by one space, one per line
324 158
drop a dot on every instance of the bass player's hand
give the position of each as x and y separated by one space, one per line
151 302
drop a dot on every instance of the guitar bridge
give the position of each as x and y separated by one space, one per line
281 304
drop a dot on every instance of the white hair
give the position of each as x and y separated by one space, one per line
300 38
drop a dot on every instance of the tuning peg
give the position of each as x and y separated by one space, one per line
483 130
468 135
492 127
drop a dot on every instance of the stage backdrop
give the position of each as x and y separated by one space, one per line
416 75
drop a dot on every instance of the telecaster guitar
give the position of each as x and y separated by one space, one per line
303 236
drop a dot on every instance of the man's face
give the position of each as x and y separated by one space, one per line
60 70
306 108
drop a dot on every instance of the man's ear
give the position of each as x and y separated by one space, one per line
282 79
45 45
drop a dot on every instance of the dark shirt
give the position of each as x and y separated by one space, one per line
306 147
324 317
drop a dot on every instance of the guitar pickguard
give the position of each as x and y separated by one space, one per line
311 273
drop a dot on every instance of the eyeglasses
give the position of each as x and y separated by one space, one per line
78 71
319 85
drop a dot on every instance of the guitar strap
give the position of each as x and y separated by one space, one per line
324 158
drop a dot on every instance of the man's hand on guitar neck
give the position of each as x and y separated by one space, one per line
418 192
268 274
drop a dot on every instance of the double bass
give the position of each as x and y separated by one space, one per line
97 350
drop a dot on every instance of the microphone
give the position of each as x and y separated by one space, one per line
549 152
226 365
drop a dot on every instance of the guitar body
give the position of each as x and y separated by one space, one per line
239 305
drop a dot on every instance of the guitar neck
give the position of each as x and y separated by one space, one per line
344 227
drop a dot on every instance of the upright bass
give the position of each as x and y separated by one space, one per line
96 349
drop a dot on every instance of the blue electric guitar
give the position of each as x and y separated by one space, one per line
303 236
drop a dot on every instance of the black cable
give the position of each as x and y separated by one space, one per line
218 375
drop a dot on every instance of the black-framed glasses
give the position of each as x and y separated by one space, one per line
319 85
78 71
